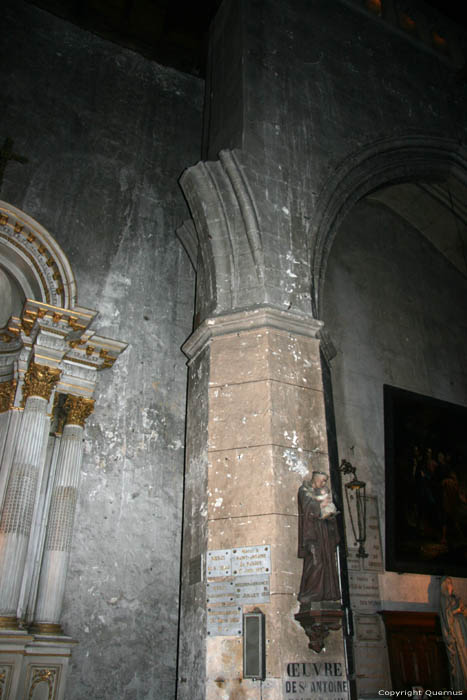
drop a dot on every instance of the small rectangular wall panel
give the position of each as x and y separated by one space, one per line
373 668
250 590
374 561
364 591
368 628
220 592
254 654
354 563
195 574
224 621
251 560
218 563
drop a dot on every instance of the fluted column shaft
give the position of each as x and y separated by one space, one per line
18 506
61 517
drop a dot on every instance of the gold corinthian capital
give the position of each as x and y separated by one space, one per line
40 380
77 409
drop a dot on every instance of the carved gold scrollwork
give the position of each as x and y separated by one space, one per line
43 675
77 409
40 380
3 671
7 395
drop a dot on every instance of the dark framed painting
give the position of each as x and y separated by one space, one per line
426 484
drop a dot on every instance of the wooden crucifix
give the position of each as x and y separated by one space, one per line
6 154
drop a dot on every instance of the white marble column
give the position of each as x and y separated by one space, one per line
61 516
20 496
10 422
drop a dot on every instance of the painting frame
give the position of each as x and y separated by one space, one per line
426 484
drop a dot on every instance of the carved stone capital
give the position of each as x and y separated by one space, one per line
247 320
7 395
317 624
77 409
40 380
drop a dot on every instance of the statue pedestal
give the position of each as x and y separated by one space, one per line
33 666
317 625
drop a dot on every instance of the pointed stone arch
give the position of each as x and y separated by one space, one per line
384 162
224 242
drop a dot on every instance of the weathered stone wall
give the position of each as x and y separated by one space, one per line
107 134
320 84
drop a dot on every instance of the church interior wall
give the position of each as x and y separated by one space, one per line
107 134
296 88
395 308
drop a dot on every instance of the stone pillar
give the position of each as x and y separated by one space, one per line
20 496
61 517
256 428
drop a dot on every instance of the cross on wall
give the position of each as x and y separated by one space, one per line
7 154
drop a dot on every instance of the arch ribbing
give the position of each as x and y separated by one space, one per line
384 162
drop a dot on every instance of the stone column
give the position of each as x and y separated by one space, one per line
61 517
256 428
20 496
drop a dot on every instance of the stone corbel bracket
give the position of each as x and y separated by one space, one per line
317 624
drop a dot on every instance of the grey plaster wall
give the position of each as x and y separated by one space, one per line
396 311
107 135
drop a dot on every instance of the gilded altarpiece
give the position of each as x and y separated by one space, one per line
49 363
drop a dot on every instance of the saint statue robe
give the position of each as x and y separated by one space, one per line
317 541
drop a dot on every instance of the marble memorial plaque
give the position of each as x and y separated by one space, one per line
354 563
252 589
224 620
251 560
220 591
218 563
368 628
374 561
364 591
316 680
373 668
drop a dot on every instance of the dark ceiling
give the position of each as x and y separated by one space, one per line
456 10
171 32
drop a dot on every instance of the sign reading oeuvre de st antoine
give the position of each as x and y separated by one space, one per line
316 680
